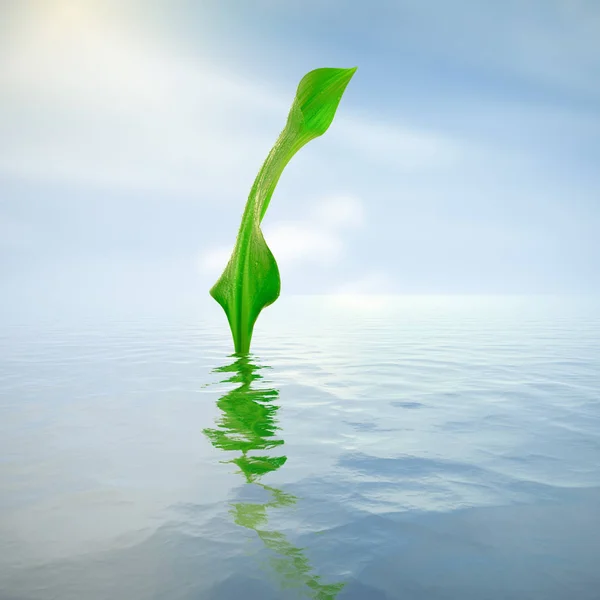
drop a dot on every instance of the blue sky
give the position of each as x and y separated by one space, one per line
463 158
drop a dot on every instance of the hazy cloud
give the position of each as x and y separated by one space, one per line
317 239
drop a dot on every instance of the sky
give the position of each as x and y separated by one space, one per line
463 158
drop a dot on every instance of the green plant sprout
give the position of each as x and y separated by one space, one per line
250 281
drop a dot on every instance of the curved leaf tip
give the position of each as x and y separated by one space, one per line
318 96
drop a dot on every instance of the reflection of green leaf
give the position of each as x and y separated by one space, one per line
250 280
248 420
294 569
280 498
248 423
249 515
257 466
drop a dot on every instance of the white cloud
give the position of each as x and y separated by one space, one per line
340 211
376 282
370 292
316 240
303 242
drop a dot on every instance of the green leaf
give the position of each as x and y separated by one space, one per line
250 281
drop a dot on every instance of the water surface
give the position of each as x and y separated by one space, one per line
417 448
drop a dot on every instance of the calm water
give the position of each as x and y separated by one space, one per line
412 449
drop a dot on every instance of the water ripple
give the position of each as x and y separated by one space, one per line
438 449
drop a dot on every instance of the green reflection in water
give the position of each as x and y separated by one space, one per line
248 425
